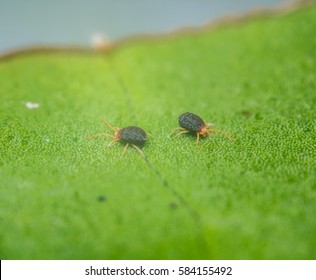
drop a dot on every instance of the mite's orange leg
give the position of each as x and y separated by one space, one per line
115 129
126 146
220 131
182 132
100 134
139 150
177 128
209 125
111 143
197 138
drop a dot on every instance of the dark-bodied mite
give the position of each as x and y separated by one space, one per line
191 123
131 135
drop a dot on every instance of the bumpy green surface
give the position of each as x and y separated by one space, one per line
67 197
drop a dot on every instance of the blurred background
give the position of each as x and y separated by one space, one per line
82 22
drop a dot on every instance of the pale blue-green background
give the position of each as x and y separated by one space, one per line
26 22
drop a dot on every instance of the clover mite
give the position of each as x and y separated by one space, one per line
191 123
131 135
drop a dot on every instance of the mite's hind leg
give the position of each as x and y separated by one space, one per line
126 146
182 132
139 150
177 128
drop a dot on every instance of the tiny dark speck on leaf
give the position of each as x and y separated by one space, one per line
246 113
258 117
101 198
173 205
76 195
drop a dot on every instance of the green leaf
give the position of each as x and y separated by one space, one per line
64 196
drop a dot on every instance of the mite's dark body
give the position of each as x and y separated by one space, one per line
191 122
132 135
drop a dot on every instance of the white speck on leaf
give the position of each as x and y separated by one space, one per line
31 105
99 40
